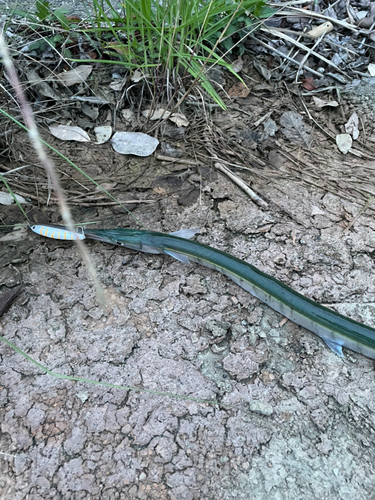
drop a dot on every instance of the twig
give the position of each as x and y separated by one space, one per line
241 184
303 47
306 56
175 160
362 210
308 13
284 56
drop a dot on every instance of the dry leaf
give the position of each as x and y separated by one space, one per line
344 142
117 86
156 114
295 129
309 83
128 115
179 119
270 127
108 186
93 99
103 134
69 133
120 48
321 103
7 198
351 127
138 76
371 69
240 90
76 75
237 65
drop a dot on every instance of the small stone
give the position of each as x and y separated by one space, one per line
83 396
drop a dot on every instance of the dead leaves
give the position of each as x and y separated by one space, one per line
74 76
163 114
295 129
69 133
239 90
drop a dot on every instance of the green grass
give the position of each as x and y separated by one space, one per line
175 37
172 40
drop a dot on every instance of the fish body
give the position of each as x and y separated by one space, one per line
335 329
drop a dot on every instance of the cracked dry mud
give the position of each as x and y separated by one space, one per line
303 421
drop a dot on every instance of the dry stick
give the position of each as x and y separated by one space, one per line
308 13
303 47
284 56
306 56
241 184
176 160
46 162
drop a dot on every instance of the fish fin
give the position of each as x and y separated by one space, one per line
187 234
334 346
178 256
145 248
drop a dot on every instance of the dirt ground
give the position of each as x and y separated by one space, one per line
299 420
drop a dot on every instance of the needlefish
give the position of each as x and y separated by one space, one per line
336 330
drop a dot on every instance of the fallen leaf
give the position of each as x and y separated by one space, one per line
265 72
91 98
117 86
108 186
156 114
138 76
270 127
120 48
344 142
76 75
89 111
134 143
309 83
295 129
351 127
237 65
179 119
321 103
7 198
128 115
69 133
103 134
371 69
240 90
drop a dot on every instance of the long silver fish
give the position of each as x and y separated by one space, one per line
335 329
